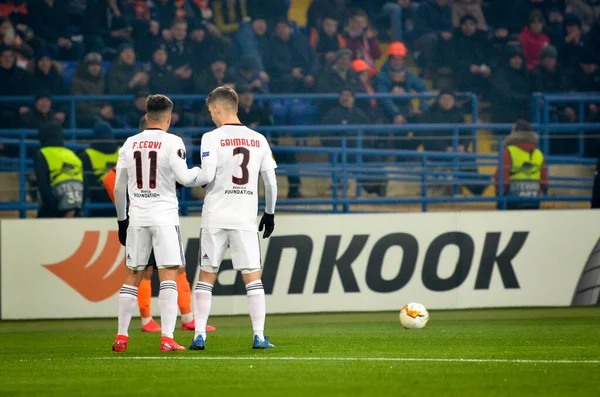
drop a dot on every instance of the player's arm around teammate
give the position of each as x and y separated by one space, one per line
239 155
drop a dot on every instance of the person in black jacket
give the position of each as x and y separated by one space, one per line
46 75
510 90
42 112
443 111
12 82
468 54
292 62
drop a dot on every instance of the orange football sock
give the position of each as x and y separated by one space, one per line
184 296
144 298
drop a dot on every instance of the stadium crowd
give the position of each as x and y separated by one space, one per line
502 50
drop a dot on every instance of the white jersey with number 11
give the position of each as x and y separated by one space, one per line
240 155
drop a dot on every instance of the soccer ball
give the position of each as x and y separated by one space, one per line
414 316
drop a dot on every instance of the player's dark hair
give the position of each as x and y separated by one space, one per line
224 95
158 107
143 123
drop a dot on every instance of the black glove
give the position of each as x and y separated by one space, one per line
268 222
123 225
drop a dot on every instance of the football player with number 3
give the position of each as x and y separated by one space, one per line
149 166
234 156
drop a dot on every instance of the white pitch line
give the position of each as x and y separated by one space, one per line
385 359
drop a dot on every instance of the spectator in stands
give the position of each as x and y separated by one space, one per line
124 77
164 12
228 14
272 10
554 28
588 77
145 29
255 115
524 170
247 74
162 79
533 39
42 112
433 24
59 175
46 75
320 8
588 11
252 40
573 44
347 113
326 40
394 78
181 52
511 89
468 54
120 32
548 76
362 39
595 202
207 46
339 75
292 61
370 107
10 37
203 12
499 40
401 14
13 82
139 108
97 161
216 75
444 111
49 20
460 8
89 80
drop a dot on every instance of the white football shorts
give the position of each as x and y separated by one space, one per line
165 240
244 248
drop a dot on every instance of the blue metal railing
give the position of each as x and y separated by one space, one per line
541 114
340 170
72 100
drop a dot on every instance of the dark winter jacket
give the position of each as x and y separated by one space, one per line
162 80
510 94
47 22
469 50
543 80
438 115
297 53
246 43
52 82
12 82
85 84
431 18
331 81
34 119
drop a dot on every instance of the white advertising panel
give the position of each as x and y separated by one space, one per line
73 268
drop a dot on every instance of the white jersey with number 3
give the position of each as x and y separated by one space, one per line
240 155
151 160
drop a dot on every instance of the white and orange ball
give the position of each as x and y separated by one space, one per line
414 316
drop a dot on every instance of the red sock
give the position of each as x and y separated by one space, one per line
144 298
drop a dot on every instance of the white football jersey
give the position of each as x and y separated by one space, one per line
240 154
152 158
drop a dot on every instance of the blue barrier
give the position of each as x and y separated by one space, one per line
72 100
340 170
542 103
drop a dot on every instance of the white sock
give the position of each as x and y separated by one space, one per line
167 301
186 318
127 305
257 307
202 302
146 320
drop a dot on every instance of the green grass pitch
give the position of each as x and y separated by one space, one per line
520 352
